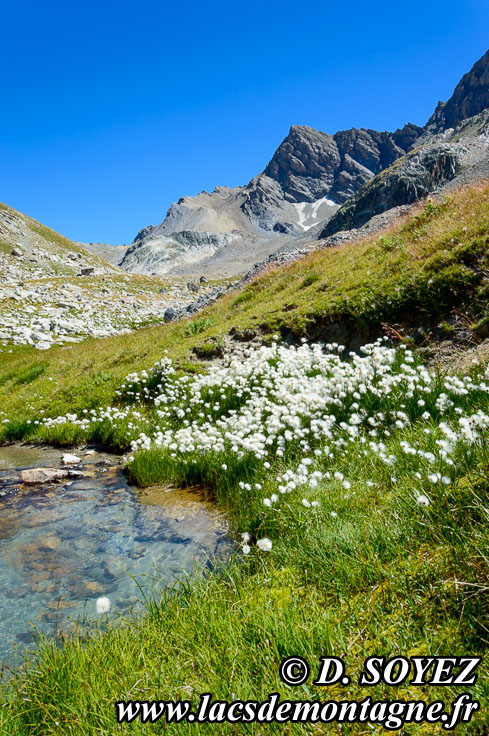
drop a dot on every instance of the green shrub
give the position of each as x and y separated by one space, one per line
197 326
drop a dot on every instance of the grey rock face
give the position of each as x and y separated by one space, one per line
303 164
309 176
143 233
412 178
470 97
407 136
460 155
310 165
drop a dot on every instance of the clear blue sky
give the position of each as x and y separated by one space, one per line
110 111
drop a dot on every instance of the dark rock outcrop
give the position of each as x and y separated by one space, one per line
470 97
407 136
410 179
143 233
309 165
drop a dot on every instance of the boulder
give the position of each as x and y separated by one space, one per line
69 459
169 315
36 476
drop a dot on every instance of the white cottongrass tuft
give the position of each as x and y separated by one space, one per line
102 604
423 501
264 544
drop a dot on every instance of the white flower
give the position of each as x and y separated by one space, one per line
346 484
267 502
423 501
245 537
224 466
306 503
264 544
102 604
246 549
333 514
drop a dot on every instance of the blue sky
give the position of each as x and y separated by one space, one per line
110 111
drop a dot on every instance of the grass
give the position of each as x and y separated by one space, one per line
384 576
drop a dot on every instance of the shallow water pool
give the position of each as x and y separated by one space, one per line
64 545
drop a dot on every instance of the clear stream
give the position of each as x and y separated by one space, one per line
64 545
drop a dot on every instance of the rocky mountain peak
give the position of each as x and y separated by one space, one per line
314 179
303 164
470 97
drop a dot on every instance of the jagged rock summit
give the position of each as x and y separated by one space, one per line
452 149
317 184
470 97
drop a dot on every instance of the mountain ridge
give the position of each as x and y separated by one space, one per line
315 184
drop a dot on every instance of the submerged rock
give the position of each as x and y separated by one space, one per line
70 459
36 476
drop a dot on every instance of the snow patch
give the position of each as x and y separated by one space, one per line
308 212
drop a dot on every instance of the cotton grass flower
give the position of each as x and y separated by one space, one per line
423 500
102 605
264 544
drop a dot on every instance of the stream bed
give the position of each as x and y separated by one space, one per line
63 545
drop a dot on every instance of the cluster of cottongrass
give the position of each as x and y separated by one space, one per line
285 425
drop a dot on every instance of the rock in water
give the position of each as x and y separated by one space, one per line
36 476
70 459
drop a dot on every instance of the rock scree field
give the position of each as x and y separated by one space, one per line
337 409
